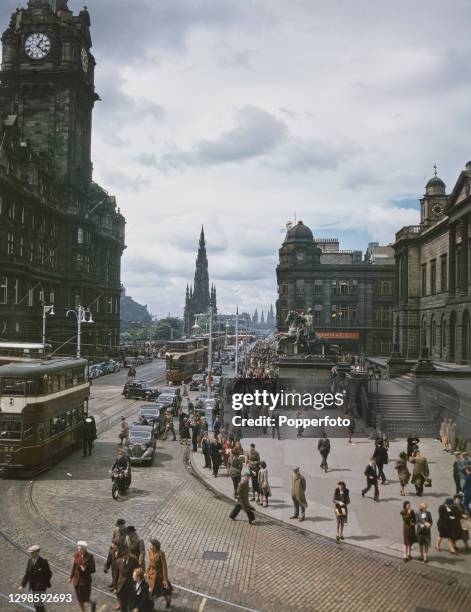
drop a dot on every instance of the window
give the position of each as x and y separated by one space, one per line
77 300
300 286
344 287
78 261
3 290
110 304
383 316
386 288
31 252
343 313
31 298
317 287
41 295
80 235
444 273
433 277
21 250
317 313
10 428
12 211
10 243
22 215
51 297
16 291
424 279
41 254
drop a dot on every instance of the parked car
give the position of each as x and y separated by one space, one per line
217 368
155 415
197 380
169 390
140 359
140 390
216 383
116 365
167 400
94 371
130 361
141 443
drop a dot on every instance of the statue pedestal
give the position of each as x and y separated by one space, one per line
309 372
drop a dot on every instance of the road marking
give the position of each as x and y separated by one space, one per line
203 604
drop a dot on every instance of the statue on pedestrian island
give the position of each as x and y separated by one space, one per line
302 337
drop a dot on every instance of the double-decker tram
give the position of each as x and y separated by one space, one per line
42 408
22 351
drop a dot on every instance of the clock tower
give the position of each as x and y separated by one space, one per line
48 84
433 203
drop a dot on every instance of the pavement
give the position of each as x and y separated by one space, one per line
214 564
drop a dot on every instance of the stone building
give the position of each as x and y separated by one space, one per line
351 296
200 296
61 234
433 268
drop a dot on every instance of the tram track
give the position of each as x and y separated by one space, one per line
52 538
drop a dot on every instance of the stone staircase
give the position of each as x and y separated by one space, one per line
402 415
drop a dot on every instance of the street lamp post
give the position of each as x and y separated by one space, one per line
81 315
47 310
210 351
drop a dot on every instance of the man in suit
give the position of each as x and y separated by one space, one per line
139 599
371 473
243 501
37 575
125 567
323 446
381 458
89 435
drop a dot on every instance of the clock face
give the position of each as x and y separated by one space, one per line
300 255
84 57
37 46
437 210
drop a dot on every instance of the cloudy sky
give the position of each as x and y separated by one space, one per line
241 114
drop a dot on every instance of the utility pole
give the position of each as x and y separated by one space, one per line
210 351
46 310
81 316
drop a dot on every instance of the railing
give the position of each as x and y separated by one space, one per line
409 231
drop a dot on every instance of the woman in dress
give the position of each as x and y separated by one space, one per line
157 573
448 525
341 501
402 471
238 450
424 524
264 485
184 428
408 529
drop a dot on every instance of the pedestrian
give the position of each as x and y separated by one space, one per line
467 489
263 484
110 563
89 435
463 464
464 521
124 433
253 466
412 445
37 576
169 427
408 529
243 501
448 525
402 471
125 567
421 473
381 458
235 469
444 434
452 435
238 450
157 573
300 428
140 599
215 450
372 474
81 575
119 535
298 494
195 432
275 429
205 447
323 446
217 424
424 524
350 426
341 501
456 472
184 428
135 546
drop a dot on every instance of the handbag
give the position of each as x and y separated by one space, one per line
340 511
428 482
465 524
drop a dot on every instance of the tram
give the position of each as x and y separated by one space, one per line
22 351
189 356
42 407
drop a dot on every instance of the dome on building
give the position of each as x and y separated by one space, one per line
435 181
299 233
435 185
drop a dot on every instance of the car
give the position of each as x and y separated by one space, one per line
167 400
141 443
130 361
169 390
116 365
225 360
216 383
155 415
94 371
217 368
197 381
107 367
140 390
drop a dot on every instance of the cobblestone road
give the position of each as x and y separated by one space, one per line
267 567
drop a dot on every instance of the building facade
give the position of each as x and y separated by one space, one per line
433 276
200 296
61 234
351 296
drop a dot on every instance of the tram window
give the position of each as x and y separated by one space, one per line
55 383
69 418
68 379
47 382
10 429
75 378
62 382
31 431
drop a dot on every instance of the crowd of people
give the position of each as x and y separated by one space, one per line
260 363
137 578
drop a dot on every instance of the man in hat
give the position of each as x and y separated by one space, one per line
119 535
243 501
135 546
298 488
125 567
81 575
89 435
37 575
